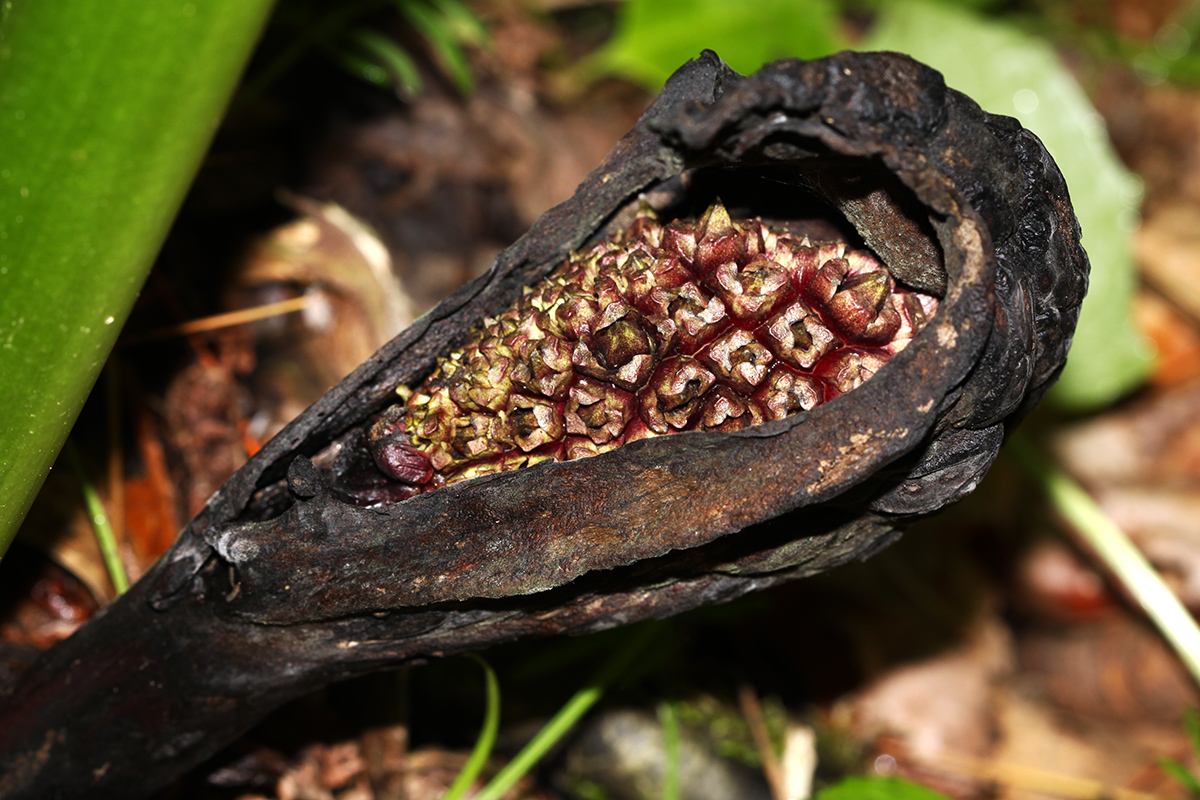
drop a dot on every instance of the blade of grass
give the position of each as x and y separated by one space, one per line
753 714
365 69
1117 552
671 750
440 35
391 57
1182 775
462 22
570 713
226 320
106 110
105 536
487 736
311 35
1191 723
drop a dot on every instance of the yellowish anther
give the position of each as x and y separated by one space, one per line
872 289
716 222
645 211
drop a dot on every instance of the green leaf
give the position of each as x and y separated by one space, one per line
1009 72
106 110
860 788
655 37
487 736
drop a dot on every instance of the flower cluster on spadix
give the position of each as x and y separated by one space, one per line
709 324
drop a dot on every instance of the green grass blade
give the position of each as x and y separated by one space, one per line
1191 724
106 110
438 32
874 788
397 63
462 23
1116 551
365 69
487 737
570 713
105 536
669 720
315 34
1182 775
654 37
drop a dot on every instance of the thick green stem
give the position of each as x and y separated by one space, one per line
106 110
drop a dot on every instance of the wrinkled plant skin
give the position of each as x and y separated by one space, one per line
280 585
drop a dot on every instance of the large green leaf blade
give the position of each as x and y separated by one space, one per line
654 37
876 788
1009 72
106 110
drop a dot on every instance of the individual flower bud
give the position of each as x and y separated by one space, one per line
585 447
739 359
846 369
575 315
620 349
825 282
724 410
914 312
800 259
752 292
597 410
649 274
680 239
720 242
798 336
672 397
477 435
533 422
645 228
786 392
544 367
394 454
860 308
697 315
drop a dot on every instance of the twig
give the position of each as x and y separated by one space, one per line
752 711
227 320
1033 779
